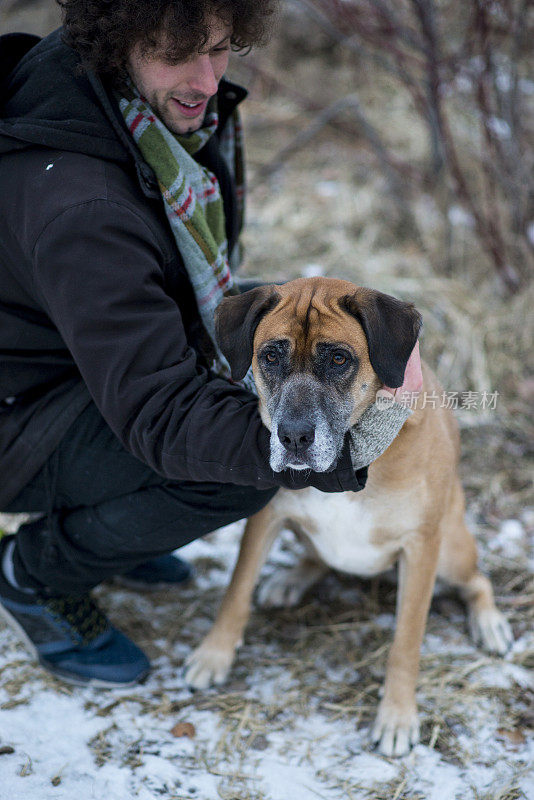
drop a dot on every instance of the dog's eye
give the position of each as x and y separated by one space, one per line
271 357
339 359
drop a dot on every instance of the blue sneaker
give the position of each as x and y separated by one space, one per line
71 637
162 572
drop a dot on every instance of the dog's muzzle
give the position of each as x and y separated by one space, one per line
308 423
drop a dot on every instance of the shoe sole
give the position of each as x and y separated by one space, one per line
58 673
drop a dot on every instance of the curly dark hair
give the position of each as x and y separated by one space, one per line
104 31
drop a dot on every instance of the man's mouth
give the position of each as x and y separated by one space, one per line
190 110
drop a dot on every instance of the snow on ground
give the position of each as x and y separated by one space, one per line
293 720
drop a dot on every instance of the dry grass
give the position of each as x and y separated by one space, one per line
323 661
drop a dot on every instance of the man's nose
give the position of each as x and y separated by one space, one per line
202 78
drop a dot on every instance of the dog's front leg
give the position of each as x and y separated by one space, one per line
211 661
396 727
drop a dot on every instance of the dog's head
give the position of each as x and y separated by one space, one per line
319 348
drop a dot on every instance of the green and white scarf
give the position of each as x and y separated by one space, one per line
193 201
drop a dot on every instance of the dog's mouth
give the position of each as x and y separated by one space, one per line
300 464
320 455
318 463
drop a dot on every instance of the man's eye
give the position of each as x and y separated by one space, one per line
339 359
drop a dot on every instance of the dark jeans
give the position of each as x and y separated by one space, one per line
106 511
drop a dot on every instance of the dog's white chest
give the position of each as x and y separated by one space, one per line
342 529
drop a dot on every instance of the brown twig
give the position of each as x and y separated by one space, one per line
411 41
395 168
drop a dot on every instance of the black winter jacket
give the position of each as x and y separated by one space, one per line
95 304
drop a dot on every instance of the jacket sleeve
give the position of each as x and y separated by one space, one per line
98 272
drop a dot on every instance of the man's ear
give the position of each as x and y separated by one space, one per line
236 320
391 327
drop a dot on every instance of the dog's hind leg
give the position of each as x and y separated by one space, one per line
286 588
457 565
211 661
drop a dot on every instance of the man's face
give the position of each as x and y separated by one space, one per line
179 93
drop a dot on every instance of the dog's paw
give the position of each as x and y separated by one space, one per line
490 629
284 589
207 665
395 730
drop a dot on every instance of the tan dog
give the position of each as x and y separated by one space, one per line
320 350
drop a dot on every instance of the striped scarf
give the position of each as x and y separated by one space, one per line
193 202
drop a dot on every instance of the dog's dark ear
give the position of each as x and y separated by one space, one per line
236 320
391 327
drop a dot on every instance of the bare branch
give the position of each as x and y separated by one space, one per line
412 42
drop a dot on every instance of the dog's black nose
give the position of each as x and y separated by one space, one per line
296 436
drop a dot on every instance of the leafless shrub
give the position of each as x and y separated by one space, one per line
465 61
